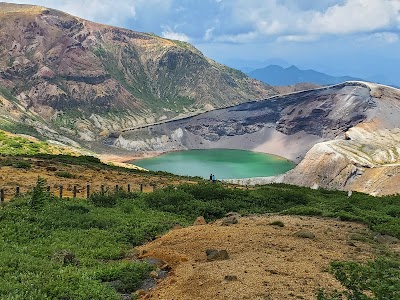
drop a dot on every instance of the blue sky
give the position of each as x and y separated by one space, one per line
341 37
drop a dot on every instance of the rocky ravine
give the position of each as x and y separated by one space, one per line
73 79
345 136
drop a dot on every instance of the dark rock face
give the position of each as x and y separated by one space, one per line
325 113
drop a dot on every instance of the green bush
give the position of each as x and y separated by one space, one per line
64 174
22 165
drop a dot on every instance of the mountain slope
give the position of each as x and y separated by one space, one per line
81 79
276 75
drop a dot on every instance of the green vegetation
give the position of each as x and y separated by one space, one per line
78 249
17 145
64 174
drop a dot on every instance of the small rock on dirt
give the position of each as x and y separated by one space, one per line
232 213
304 234
153 274
213 254
200 221
230 220
231 277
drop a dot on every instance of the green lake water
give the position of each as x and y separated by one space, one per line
224 163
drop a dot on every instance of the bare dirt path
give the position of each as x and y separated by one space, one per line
268 261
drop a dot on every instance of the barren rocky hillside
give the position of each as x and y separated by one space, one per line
75 79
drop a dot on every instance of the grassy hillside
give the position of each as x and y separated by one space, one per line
76 249
11 144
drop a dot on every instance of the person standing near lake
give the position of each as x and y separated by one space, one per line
213 178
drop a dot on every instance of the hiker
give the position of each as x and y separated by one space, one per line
211 175
213 178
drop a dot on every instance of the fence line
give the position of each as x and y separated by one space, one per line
17 191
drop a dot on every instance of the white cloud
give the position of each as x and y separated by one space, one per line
381 37
208 35
168 33
111 12
238 38
276 18
297 38
355 16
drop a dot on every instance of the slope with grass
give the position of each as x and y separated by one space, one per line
78 249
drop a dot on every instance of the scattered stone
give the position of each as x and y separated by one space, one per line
385 239
140 293
213 254
165 267
230 221
65 257
234 214
231 277
153 274
200 221
51 168
277 223
304 234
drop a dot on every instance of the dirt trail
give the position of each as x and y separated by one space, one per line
269 262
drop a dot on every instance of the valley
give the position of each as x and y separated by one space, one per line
306 203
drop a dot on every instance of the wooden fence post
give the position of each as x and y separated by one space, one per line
116 187
17 191
74 195
88 191
48 189
129 188
141 187
2 195
102 189
61 191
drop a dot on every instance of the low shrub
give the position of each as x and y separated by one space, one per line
64 174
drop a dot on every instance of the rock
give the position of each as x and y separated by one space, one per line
200 221
213 254
230 278
165 267
232 213
304 234
153 274
230 221
385 239
140 293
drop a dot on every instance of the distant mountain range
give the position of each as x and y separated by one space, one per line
279 76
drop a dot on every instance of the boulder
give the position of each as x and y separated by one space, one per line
213 254
200 221
230 220
304 234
